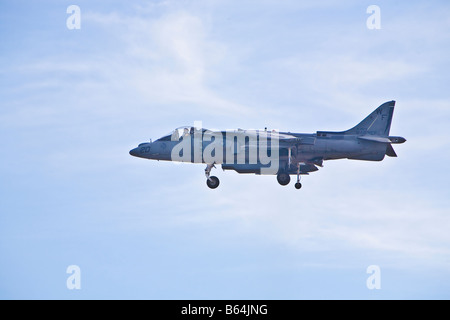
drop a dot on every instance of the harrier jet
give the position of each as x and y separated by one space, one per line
273 152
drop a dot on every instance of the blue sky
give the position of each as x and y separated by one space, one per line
74 102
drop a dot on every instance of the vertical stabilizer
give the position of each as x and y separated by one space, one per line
377 123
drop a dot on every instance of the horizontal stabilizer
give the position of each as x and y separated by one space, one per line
397 139
375 139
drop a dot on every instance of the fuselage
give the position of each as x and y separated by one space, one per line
241 149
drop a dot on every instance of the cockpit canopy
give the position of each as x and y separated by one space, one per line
185 131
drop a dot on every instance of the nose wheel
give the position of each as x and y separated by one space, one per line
211 181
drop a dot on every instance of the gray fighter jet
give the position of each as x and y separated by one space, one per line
272 152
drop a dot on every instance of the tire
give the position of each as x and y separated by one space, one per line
298 185
213 182
283 179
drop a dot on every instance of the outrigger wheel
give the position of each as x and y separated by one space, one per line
212 182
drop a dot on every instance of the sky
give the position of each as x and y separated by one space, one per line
75 101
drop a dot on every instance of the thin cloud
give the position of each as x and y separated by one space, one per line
170 59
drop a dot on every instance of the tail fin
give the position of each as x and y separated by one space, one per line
377 123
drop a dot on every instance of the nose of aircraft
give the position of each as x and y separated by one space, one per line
134 152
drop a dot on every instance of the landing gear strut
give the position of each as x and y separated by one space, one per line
298 185
211 181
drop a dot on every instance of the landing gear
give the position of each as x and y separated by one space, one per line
298 185
211 181
283 178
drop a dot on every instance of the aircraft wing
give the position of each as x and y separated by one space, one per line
289 142
284 143
285 140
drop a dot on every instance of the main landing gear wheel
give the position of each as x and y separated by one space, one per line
213 182
298 185
283 179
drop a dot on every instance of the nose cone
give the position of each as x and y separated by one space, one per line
134 152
